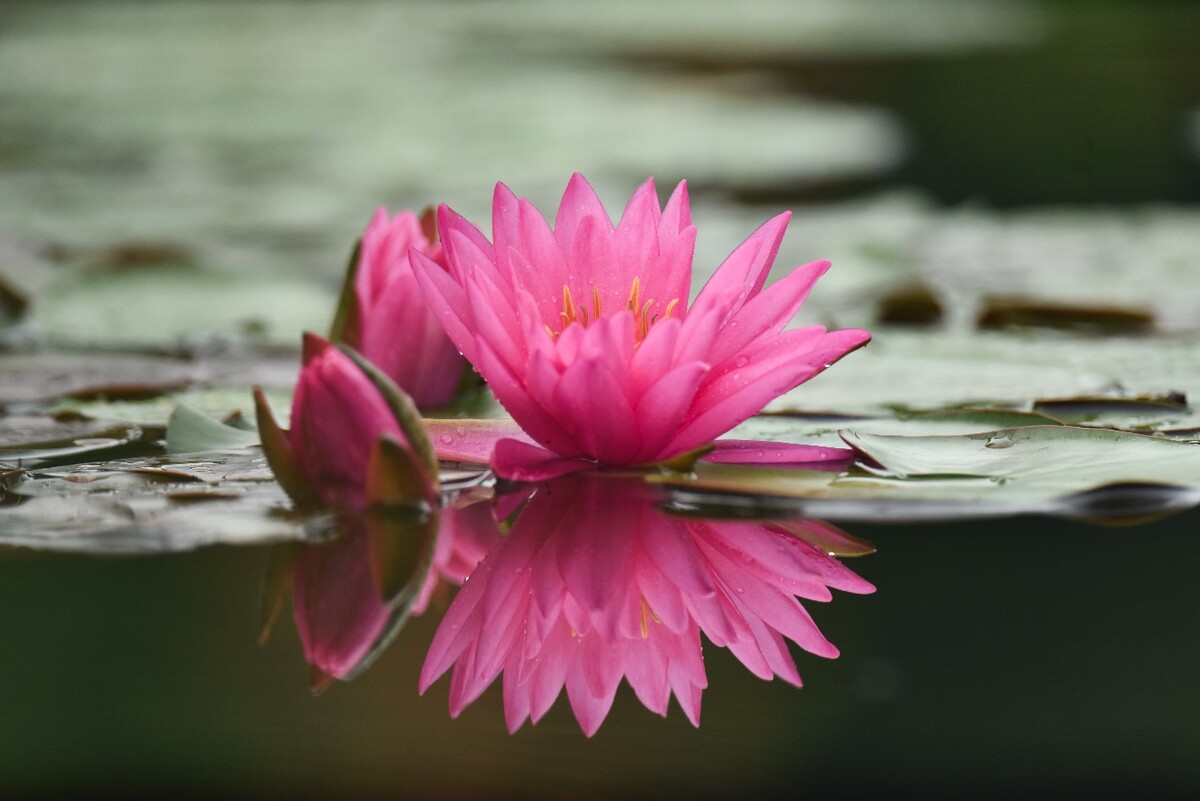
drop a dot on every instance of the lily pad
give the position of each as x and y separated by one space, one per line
1060 470
149 506
191 430
1042 460
178 306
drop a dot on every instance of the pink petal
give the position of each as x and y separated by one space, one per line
473 441
637 232
448 301
749 451
543 269
453 226
771 372
767 312
664 406
579 202
531 415
597 412
590 708
677 214
655 355
661 596
521 461
750 262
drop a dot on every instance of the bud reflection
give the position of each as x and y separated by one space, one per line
352 595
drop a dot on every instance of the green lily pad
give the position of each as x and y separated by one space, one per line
174 306
191 430
1043 460
1062 470
822 429
149 505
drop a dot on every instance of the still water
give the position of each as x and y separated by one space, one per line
1005 655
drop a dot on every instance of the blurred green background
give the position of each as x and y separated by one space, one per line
236 147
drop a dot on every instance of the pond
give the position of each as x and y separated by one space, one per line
992 553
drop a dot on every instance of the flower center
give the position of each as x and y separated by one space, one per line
582 314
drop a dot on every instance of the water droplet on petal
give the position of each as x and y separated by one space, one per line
741 590
742 361
446 439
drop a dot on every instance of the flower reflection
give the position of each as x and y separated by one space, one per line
350 596
594 583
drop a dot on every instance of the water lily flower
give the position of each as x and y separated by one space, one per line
384 316
355 438
584 332
594 583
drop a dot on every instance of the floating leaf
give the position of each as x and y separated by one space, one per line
126 506
1045 460
191 430
1089 318
163 307
1058 470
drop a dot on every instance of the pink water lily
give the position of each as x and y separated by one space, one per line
585 334
594 583
389 321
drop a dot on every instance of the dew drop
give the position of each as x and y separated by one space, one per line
741 590
999 441
446 439
742 361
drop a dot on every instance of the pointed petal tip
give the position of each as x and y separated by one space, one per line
313 345
318 680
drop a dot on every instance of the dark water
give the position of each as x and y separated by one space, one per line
998 657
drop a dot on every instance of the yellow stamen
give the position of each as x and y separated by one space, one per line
569 313
635 294
643 320
644 624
